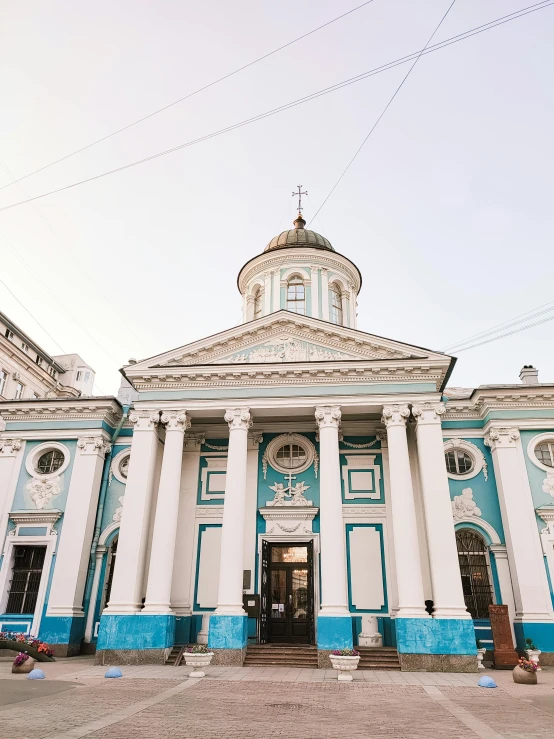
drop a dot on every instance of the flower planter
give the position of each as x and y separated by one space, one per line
25 667
533 655
480 655
18 646
344 665
197 661
522 676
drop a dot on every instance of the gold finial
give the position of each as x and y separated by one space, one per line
299 222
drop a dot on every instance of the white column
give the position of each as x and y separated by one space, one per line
72 558
531 591
251 508
411 600
344 307
314 271
504 580
276 290
11 458
334 592
353 306
267 293
229 599
390 561
325 294
126 593
164 536
89 626
446 582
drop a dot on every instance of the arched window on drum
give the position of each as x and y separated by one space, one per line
335 304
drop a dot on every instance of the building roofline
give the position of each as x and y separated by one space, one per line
38 349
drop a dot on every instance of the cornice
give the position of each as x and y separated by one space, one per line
478 406
33 517
56 409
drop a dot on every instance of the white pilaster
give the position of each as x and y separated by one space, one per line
158 591
70 571
411 601
229 600
531 591
353 305
325 294
504 580
126 593
275 276
11 457
448 596
314 272
344 307
334 592
251 508
89 626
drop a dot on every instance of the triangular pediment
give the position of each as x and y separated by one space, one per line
285 337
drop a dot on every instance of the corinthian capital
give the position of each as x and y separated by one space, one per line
238 418
175 420
502 438
428 412
144 420
327 416
395 415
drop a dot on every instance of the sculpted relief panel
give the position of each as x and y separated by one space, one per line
287 350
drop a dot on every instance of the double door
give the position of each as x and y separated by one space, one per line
288 601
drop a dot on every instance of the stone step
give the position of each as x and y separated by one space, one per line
276 655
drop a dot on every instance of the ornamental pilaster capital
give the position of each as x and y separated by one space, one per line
93 445
428 413
175 420
395 415
238 418
498 438
327 416
255 438
145 420
10 447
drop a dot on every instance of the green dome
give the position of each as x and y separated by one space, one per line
299 236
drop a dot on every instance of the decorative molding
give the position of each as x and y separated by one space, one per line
119 511
328 416
548 482
547 515
479 461
43 489
116 464
238 418
10 447
38 451
93 445
175 420
371 510
480 523
395 415
295 493
209 511
216 469
70 409
144 420
25 518
292 520
428 412
463 506
502 438
361 477
359 446
216 447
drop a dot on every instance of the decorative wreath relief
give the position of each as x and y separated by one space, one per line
43 490
463 506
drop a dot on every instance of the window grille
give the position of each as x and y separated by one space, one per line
458 462
50 462
544 452
291 456
474 570
25 582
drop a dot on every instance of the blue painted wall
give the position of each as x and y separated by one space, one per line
375 449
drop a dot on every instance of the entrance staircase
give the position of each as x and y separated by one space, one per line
378 658
176 655
275 655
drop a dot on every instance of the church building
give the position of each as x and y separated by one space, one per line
288 481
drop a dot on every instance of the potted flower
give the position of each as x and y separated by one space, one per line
345 661
532 652
197 656
525 672
23 663
480 654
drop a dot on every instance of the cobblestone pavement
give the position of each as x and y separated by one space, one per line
260 703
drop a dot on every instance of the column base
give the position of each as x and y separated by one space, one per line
541 633
228 632
334 632
63 634
438 636
135 632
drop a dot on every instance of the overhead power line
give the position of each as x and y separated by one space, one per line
508 333
522 318
187 97
379 118
287 106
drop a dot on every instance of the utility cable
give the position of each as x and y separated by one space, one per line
523 318
191 94
508 333
378 70
387 106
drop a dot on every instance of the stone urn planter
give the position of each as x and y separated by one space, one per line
525 673
198 657
23 666
533 656
480 654
345 661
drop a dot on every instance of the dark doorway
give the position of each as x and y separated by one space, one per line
474 571
288 594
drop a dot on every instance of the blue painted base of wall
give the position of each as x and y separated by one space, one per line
183 625
228 632
542 635
66 630
334 632
136 631
435 636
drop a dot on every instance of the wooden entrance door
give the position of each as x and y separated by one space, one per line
290 593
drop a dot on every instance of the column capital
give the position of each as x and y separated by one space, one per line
238 418
428 412
10 447
327 416
175 420
502 438
94 445
395 415
144 420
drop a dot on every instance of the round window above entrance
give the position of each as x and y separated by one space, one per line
290 452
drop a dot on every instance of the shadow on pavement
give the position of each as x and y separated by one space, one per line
15 691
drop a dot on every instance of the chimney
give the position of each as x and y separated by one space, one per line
529 375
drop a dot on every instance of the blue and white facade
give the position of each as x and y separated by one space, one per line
294 432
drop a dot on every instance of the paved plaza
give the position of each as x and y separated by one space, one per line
263 703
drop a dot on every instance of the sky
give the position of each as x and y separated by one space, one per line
447 210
